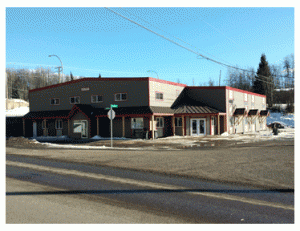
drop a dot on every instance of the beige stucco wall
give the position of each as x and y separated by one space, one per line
238 101
170 93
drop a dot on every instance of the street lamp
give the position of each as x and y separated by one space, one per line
154 72
58 68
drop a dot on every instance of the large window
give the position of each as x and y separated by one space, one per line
77 126
121 97
178 122
159 122
96 99
55 101
137 123
75 99
58 124
159 95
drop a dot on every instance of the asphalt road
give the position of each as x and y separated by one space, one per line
49 191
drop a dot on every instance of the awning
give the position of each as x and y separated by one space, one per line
239 112
264 113
253 112
47 114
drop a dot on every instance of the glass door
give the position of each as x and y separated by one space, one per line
198 127
194 127
201 127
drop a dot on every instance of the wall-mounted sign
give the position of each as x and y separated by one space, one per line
85 89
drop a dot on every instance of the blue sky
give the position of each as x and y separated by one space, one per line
90 41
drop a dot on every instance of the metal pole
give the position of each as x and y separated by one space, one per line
62 69
111 128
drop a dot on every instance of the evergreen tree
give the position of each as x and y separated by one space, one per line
71 76
264 83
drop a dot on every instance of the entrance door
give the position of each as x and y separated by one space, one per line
34 129
198 127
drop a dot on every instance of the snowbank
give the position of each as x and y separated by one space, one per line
286 119
20 111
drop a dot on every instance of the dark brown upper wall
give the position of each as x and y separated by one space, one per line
136 89
214 97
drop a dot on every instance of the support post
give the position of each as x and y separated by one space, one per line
225 123
183 127
24 127
68 127
97 126
123 126
152 118
210 126
218 124
173 125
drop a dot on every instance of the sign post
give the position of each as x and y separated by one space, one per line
111 115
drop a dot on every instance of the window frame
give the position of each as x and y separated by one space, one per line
56 123
97 101
161 93
54 100
177 123
75 100
158 122
245 97
133 124
213 121
230 95
121 93
77 122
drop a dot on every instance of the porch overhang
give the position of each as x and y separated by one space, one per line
62 114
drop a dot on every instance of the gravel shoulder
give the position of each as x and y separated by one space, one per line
264 164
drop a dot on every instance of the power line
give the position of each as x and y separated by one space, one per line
203 56
169 33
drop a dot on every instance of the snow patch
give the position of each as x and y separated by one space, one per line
20 111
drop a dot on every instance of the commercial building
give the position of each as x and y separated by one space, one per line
156 107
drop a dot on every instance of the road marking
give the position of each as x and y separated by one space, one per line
147 184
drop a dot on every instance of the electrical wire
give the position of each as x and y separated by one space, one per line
198 54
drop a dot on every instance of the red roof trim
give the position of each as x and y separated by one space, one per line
204 87
167 82
243 91
197 114
127 115
163 114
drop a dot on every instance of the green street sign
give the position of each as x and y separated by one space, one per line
114 106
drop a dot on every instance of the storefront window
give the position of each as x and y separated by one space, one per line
137 123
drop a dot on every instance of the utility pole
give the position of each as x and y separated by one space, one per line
220 79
